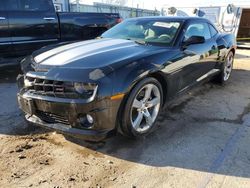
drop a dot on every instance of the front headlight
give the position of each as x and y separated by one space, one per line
86 90
27 83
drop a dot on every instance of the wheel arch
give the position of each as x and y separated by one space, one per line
162 80
158 76
232 50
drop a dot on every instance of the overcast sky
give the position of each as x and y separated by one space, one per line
151 4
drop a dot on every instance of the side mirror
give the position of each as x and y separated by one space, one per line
194 40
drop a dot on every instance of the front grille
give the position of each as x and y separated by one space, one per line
52 118
51 88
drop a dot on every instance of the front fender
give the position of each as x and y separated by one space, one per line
128 76
154 65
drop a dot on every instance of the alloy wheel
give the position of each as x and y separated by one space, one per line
145 108
228 67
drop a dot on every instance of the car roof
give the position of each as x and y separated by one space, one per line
170 18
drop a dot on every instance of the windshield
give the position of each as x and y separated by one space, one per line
153 32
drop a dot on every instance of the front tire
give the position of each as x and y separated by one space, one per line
142 108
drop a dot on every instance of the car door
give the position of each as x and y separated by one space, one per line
5 40
33 24
197 59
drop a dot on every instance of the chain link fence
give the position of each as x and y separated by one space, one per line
125 12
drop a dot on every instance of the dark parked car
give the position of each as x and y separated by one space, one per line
120 82
27 25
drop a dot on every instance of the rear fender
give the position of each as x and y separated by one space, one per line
226 43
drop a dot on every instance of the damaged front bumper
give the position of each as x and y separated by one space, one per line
70 116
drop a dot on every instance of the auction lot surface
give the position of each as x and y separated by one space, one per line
203 140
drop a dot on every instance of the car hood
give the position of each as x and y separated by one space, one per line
96 53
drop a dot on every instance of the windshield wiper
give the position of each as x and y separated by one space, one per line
99 37
142 42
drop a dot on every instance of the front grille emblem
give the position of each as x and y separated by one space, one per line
59 89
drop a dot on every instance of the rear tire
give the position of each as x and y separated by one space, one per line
142 108
226 70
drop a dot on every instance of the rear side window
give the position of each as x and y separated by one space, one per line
198 29
2 5
28 5
213 30
11 5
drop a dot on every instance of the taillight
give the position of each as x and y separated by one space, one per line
118 20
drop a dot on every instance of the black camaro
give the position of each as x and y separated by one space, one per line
120 81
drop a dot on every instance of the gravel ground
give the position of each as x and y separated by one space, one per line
202 140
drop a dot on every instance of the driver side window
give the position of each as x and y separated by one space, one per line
197 29
28 5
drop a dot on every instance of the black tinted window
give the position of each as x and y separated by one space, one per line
29 5
198 29
213 30
11 5
2 5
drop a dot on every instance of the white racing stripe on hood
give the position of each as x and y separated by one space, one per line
95 53
47 54
86 49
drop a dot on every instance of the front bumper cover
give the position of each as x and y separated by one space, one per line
69 111
90 135
103 111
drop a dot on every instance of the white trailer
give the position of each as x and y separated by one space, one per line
61 5
230 19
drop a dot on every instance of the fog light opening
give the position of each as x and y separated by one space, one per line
90 119
86 121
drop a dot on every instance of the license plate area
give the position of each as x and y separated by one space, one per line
27 105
